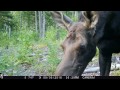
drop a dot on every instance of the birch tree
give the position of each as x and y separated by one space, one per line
36 21
41 24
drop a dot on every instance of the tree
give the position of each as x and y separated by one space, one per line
36 21
5 18
41 24
6 23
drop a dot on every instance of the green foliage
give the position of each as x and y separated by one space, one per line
17 49
54 45
50 21
25 42
5 18
115 73
97 52
71 14
24 51
23 20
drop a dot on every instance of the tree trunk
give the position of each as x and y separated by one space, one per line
9 31
39 14
79 15
76 15
57 33
36 21
42 24
20 19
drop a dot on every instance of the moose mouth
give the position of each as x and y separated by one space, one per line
74 63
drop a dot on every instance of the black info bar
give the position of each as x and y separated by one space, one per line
59 77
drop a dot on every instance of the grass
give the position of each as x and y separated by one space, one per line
16 50
115 73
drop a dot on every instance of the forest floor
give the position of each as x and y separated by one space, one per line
93 63
25 69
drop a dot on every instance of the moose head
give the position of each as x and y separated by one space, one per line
79 46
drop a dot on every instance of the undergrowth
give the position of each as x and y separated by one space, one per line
16 50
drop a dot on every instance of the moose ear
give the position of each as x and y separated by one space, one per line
85 19
90 18
94 18
61 19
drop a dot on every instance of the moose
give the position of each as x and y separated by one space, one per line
94 29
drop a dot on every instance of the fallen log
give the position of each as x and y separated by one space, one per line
91 70
97 69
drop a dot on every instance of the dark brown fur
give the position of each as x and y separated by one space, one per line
79 47
71 45
101 29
